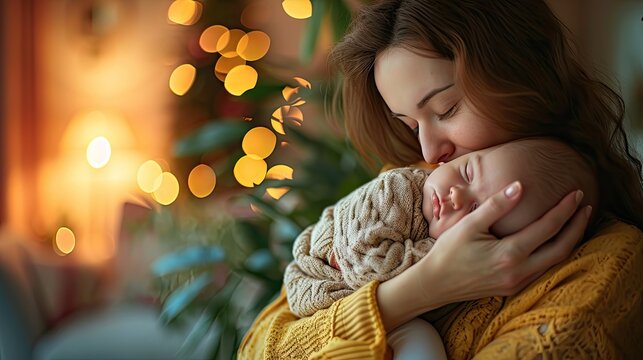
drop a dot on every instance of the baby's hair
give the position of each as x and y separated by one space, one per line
555 169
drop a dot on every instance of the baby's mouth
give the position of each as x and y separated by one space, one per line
436 206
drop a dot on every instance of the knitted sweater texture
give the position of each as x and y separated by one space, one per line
374 233
590 306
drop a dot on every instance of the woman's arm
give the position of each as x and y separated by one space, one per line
467 262
351 328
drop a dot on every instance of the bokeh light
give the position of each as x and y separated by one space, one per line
302 82
253 45
182 78
279 172
184 12
250 170
241 79
65 240
278 126
288 113
202 180
291 94
298 9
99 152
259 141
227 43
210 37
168 191
224 65
149 177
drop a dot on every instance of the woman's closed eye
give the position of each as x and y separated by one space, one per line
448 113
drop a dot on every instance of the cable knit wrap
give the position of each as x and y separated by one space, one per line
374 233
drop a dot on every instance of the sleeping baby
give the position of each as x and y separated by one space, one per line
391 222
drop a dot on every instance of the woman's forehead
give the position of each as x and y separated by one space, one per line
403 77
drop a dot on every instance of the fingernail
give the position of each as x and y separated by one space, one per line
579 196
512 190
588 211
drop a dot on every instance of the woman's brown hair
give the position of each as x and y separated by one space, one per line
514 63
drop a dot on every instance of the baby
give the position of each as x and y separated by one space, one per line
388 224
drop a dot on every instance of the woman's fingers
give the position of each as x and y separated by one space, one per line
495 207
558 248
535 234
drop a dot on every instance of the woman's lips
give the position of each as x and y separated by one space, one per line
436 206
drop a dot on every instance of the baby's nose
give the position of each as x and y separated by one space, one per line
458 197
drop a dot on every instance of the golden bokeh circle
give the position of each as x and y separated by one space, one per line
182 78
210 37
250 171
148 176
259 141
253 45
224 65
168 191
202 180
298 9
279 172
227 43
241 79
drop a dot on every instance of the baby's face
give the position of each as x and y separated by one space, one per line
458 187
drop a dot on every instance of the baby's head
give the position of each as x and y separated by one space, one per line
547 169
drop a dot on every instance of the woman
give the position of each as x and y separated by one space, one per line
432 80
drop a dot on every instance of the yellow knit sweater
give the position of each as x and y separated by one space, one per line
588 307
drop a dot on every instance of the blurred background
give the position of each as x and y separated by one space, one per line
158 158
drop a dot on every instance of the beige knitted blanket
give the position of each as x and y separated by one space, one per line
374 233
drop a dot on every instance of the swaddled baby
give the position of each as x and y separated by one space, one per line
388 224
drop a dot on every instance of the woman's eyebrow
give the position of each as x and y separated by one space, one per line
426 98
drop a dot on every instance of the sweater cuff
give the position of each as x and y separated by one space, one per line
358 331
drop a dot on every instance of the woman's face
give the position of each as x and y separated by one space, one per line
421 92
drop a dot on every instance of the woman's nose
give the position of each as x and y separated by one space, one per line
435 148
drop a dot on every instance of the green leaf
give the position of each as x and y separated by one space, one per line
183 296
340 17
311 31
215 135
187 258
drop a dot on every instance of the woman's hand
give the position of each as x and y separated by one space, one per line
468 262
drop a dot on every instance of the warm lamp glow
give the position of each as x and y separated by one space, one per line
298 9
184 12
182 78
278 172
168 191
210 37
253 45
227 43
149 177
65 240
99 152
241 79
259 141
250 170
202 181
